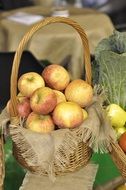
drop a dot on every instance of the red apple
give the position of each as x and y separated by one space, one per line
24 108
40 123
122 141
59 96
56 76
20 99
79 91
29 82
67 115
43 100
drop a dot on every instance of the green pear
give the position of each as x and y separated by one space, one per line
117 115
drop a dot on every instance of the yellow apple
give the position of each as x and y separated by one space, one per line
40 123
60 96
120 131
56 76
117 115
43 100
21 97
79 91
121 187
67 115
29 82
85 114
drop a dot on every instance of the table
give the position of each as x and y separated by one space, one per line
58 41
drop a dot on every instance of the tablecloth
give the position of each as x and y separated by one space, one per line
58 41
82 179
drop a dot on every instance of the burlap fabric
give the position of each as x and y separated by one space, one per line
45 152
82 179
55 48
44 3
2 38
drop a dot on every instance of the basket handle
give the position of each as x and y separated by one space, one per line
23 43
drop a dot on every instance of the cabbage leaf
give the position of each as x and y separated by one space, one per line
112 76
109 67
115 43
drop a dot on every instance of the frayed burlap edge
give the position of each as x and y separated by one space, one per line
95 131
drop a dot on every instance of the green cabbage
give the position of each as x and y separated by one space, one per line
115 43
110 60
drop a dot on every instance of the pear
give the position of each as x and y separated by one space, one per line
117 115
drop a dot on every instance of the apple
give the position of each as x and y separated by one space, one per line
85 114
59 96
24 108
40 123
121 187
43 100
79 91
120 131
67 115
117 115
29 82
56 76
21 97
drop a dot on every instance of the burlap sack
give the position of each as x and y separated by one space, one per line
44 153
82 179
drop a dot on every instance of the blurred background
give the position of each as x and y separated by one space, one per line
114 8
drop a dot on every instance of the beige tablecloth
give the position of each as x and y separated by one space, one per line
57 41
82 179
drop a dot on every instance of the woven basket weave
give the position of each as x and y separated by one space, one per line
83 153
119 158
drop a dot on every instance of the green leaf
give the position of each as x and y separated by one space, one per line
115 43
112 76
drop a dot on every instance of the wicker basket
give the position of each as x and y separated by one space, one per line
119 158
2 168
82 154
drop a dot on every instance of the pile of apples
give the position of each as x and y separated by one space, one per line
52 100
117 117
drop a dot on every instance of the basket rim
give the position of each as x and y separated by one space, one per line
23 43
